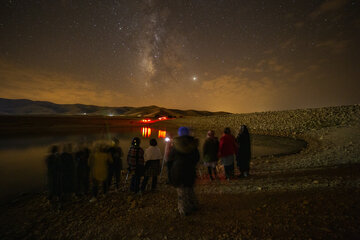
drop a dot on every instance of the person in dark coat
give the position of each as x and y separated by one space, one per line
115 167
135 159
184 156
82 170
53 164
68 171
243 155
210 152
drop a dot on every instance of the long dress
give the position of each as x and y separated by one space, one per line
243 155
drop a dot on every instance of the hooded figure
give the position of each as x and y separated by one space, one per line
184 156
243 155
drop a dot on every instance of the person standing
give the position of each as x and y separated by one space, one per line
227 151
152 164
135 159
168 147
53 164
243 155
116 166
82 169
210 152
99 161
68 172
184 157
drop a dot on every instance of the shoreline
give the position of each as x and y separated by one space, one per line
310 194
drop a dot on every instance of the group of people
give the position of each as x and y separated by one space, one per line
184 156
70 173
228 149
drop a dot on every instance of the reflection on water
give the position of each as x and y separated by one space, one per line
22 159
146 132
162 134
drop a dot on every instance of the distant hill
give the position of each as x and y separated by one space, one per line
29 107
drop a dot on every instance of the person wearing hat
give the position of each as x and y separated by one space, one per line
116 166
184 156
135 159
210 151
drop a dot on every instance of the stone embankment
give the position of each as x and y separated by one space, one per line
332 133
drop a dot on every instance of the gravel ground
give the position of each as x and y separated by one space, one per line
309 195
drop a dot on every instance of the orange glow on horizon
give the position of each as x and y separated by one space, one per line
146 132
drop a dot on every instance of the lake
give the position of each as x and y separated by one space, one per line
23 170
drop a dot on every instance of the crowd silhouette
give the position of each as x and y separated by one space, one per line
73 173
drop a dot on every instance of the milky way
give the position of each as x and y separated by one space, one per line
238 56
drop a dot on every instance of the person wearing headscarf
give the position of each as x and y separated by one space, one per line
135 159
243 155
210 152
184 156
227 152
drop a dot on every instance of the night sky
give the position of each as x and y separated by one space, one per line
224 55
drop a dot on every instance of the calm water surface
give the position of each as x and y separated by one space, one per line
23 170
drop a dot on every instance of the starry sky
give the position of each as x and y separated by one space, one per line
217 55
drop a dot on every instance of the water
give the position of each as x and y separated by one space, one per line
22 165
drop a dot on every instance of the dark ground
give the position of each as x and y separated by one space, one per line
319 212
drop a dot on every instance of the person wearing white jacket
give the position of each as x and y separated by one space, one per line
152 158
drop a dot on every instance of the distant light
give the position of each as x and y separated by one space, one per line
194 78
110 115
84 113
167 139
146 120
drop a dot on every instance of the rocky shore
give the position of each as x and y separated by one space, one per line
309 195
